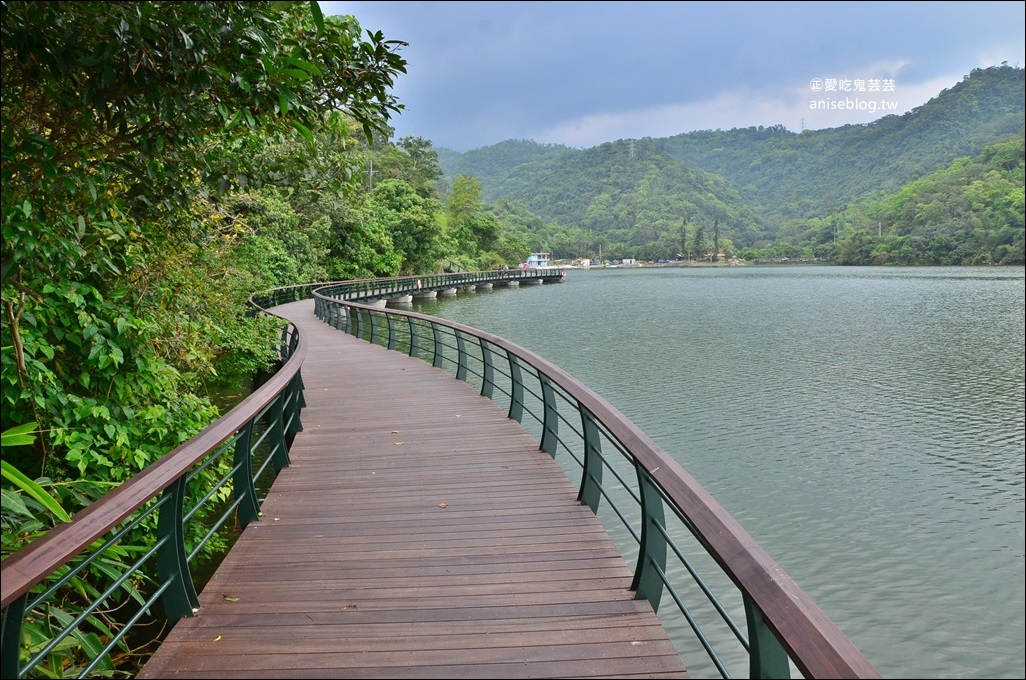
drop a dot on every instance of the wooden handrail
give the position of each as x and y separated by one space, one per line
36 561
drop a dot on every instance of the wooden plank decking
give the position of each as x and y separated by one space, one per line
419 533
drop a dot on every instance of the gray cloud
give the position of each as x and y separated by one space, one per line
581 73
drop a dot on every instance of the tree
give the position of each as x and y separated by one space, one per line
413 223
126 262
122 122
698 244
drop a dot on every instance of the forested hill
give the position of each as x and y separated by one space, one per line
780 175
493 164
788 175
625 192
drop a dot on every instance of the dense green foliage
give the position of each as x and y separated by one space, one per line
124 125
968 213
760 187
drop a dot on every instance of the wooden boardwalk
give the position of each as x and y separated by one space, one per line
419 533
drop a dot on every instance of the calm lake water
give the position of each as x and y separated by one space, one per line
865 425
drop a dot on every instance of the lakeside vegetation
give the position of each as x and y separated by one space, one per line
163 161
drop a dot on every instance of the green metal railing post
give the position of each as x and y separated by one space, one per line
652 551
392 331
590 493
276 435
516 400
413 337
488 370
550 419
359 323
373 327
10 637
766 656
296 402
461 365
436 335
242 477
180 598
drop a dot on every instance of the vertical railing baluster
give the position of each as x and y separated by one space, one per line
488 370
10 637
516 401
276 436
652 551
413 336
373 326
550 419
766 656
359 323
180 598
296 402
392 331
590 493
436 335
242 477
461 365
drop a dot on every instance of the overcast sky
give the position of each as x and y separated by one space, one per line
584 73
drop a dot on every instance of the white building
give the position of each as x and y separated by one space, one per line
538 260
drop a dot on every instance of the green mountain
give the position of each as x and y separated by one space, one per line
749 182
788 175
971 212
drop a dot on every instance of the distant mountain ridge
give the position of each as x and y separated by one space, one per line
759 178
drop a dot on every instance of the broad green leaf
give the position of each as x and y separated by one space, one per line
19 435
37 492
303 130
318 16
14 504
307 66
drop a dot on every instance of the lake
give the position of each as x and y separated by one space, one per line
865 425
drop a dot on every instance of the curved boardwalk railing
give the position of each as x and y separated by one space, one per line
206 488
731 599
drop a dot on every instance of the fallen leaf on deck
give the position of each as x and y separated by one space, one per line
398 443
443 505
229 598
217 638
